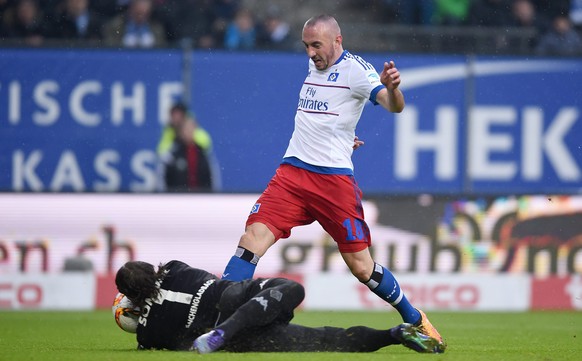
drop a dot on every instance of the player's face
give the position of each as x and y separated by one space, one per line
321 45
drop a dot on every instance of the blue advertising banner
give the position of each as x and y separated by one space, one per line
89 121
420 149
83 120
471 125
481 125
525 131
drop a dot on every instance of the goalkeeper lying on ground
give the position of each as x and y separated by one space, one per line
184 308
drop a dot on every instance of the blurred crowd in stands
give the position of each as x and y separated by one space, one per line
141 23
234 25
558 23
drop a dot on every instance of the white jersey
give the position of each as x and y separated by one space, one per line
330 105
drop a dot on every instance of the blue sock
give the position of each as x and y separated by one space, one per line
383 284
241 266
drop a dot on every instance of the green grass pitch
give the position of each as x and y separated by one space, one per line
531 336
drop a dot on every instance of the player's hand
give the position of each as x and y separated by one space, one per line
357 143
390 76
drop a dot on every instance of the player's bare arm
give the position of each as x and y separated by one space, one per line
392 98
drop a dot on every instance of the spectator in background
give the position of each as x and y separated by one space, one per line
5 9
403 11
490 13
225 9
108 8
222 14
451 12
561 39
383 11
419 12
76 21
189 20
48 8
24 20
552 8
275 32
576 13
524 16
241 33
185 151
135 28
4 5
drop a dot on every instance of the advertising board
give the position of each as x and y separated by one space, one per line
89 121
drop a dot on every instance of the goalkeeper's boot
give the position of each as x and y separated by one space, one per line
425 327
411 337
209 342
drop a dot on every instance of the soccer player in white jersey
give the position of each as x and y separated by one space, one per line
315 181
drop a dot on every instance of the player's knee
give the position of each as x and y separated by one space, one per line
360 264
298 292
257 239
361 272
231 299
246 240
293 294
361 275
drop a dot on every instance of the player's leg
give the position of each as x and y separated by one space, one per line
380 281
252 246
366 339
268 301
279 338
383 283
357 339
340 212
275 213
288 295
297 338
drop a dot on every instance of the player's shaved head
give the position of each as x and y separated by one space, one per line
328 21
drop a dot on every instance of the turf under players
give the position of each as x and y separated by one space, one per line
184 308
315 181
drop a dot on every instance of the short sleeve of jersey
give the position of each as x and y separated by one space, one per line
364 80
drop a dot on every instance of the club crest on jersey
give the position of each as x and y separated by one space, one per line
333 77
256 208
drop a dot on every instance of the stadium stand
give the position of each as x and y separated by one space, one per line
420 26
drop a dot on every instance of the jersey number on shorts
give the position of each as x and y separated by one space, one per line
351 224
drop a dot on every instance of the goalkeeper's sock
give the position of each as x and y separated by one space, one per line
241 266
383 284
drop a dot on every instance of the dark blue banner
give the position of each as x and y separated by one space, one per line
83 120
90 121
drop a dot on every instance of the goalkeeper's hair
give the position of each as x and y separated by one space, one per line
137 280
